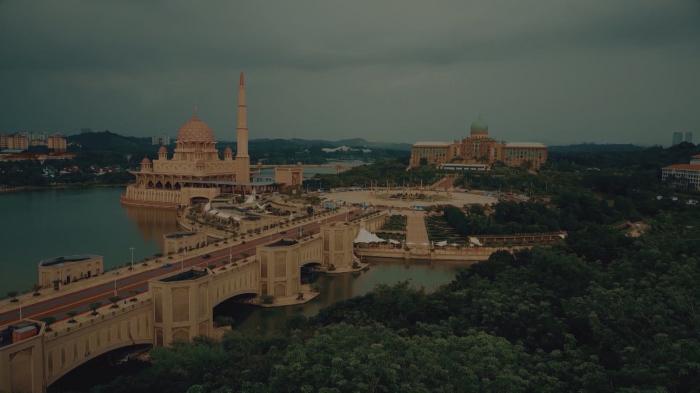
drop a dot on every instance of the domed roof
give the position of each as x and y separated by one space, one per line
195 130
228 150
162 150
479 126
145 161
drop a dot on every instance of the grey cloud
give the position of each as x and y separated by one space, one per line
553 70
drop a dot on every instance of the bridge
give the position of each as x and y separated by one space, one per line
338 167
172 303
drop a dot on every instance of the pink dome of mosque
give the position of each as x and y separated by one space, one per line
163 150
145 161
195 130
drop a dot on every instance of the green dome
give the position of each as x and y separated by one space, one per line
479 126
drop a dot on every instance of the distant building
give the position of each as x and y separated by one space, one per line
37 139
55 272
16 141
683 175
478 148
161 140
677 138
689 137
289 176
56 142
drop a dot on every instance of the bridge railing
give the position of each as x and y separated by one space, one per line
105 313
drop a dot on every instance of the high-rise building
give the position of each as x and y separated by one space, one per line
689 137
160 140
36 139
677 138
56 142
17 141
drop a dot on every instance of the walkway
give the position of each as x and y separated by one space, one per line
416 233
446 183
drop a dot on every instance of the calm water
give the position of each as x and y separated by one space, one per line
43 224
336 288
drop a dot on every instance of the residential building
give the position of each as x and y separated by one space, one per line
16 141
160 140
56 142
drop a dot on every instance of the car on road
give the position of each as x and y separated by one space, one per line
206 256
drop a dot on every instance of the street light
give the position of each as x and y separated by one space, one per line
132 258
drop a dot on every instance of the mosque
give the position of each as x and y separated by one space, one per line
478 151
197 172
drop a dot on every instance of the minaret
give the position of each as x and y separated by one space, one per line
242 158
242 125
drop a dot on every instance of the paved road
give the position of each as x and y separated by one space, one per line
80 301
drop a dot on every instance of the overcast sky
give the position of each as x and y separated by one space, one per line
553 71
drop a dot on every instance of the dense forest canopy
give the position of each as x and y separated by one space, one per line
600 312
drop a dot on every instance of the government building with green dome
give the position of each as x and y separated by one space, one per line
478 151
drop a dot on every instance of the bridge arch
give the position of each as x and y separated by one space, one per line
69 349
92 372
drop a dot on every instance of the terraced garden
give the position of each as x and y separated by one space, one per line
439 230
394 228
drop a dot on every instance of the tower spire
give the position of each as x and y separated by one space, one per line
242 124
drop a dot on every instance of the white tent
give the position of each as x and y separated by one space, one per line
475 241
441 243
392 241
366 237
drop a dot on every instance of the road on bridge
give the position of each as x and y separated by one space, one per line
80 301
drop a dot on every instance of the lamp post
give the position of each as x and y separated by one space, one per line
132 258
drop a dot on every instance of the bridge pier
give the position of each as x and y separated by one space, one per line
176 307
181 307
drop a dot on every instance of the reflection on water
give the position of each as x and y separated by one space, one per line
43 224
152 223
335 288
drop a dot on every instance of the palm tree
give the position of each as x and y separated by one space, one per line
114 300
35 289
13 296
94 307
72 315
48 321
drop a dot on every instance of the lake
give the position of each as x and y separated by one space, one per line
42 224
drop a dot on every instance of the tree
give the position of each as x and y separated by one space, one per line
71 314
94 306
48 321
13 296
114 300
